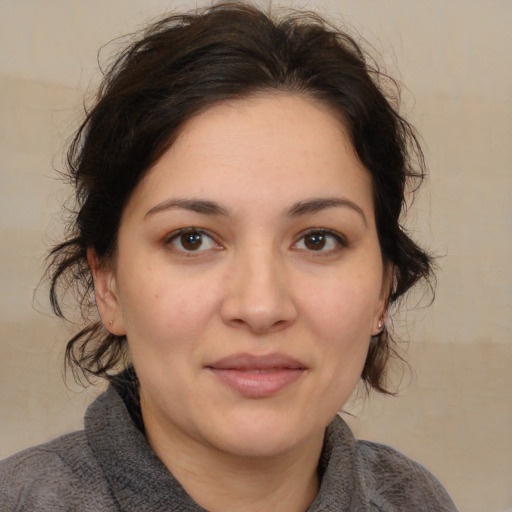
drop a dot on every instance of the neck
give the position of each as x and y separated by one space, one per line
222 482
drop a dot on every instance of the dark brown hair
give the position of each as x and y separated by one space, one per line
179 67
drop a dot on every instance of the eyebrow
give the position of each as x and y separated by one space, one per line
305 207
194 205
318 204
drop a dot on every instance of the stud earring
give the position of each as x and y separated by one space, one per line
380 325
110 323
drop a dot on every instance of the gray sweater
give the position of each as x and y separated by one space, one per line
109 466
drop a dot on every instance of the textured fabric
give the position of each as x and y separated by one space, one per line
110 467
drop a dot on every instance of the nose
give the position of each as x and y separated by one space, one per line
258 294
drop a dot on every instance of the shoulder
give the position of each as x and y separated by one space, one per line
395 482
52 476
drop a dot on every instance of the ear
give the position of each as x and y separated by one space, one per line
381 314
105 290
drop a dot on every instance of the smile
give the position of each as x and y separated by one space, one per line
257 376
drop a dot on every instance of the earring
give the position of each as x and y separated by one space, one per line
380 325
110 323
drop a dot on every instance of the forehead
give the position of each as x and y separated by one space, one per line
278 147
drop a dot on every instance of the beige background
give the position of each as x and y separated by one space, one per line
454 413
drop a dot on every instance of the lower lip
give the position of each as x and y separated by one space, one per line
258 384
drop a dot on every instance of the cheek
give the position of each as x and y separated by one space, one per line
342 331
165 311
341 318
343 308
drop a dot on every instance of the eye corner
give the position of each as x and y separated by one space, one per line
321 241
191 242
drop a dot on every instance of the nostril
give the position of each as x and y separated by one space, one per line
258 296
259 321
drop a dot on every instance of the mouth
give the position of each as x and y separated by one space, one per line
257 376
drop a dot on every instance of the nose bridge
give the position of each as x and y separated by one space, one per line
259 296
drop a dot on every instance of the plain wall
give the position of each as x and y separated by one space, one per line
454 411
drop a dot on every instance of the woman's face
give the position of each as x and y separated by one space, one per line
248 277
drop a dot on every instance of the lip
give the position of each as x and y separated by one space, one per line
257 376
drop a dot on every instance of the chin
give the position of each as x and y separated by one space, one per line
262 438
258 446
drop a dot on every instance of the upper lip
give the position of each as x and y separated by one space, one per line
244 361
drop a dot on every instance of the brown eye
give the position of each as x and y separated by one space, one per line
321 241
191 241
315 241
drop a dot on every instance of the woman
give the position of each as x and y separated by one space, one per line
239 184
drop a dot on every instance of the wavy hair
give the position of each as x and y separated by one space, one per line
180 66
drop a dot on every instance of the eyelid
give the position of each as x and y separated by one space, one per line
171 237
341 239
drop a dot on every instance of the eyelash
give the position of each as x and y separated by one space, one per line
326 234
176 235
339 239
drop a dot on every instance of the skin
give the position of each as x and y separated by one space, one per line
280 171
